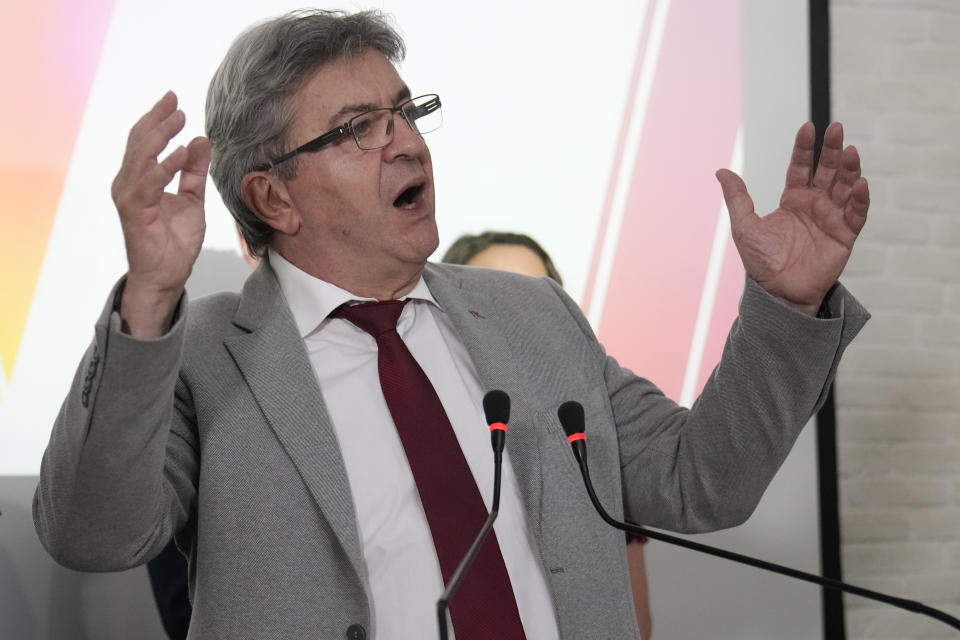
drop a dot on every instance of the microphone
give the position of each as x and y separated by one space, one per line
496 409
571 417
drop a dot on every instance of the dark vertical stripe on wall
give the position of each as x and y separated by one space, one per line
819 69
834 625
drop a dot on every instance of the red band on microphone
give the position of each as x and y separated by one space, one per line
498 425
576 436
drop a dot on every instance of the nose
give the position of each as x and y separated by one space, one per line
405 141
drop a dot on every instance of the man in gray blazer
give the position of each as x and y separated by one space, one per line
252 428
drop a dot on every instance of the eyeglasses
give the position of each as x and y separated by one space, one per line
374 129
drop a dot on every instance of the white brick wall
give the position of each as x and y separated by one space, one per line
896 87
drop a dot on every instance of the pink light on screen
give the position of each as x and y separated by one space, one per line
659 262
52 48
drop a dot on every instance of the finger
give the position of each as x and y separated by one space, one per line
855 213
193 174
831 157
739 202
150 144
136 201
141 159
149 189
847 176
158 113
150 135
169 166
801 161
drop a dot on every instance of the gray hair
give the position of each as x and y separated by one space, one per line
248 113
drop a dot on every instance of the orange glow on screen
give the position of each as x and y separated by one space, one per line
52 48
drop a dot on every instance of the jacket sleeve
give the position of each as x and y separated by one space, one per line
119 474
706 468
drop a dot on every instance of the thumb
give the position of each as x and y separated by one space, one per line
739 202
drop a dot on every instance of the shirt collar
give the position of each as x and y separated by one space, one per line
311 299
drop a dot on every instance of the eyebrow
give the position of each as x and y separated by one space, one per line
350 110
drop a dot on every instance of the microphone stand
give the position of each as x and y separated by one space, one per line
444 602
498 434
580 452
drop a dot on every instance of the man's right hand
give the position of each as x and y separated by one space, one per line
163 232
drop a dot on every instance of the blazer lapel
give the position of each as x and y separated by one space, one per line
275 366
480 326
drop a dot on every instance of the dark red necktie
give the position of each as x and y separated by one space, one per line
484 608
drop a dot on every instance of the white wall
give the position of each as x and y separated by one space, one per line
897 89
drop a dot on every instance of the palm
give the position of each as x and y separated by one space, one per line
798 251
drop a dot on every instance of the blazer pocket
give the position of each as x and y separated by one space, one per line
601 444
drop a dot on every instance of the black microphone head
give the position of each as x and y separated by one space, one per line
571 417
496 407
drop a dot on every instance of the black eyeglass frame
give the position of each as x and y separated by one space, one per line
346 128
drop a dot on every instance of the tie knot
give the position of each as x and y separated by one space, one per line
376 318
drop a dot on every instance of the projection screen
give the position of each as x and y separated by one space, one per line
594 127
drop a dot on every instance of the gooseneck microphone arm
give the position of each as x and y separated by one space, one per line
571 417
496 408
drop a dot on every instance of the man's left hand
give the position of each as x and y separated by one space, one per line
798 251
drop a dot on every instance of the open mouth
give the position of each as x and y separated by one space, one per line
408 198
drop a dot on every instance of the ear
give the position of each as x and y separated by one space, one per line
266 195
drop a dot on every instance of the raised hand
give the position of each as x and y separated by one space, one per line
798 251
163 231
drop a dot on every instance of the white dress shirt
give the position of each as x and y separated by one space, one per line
402 568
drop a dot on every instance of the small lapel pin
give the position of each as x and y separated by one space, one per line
477 314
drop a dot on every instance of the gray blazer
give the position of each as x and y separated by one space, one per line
217 432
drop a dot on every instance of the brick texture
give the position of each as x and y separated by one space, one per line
896 87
